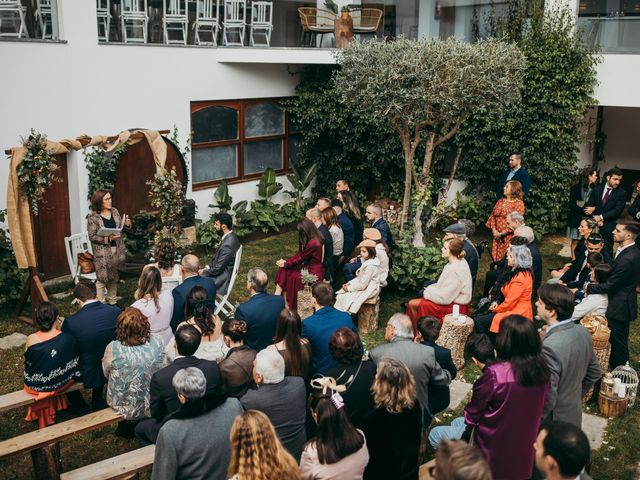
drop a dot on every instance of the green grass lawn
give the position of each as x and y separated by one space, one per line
618 459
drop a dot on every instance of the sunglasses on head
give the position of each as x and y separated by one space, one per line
596 240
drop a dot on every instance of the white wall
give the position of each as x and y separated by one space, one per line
619 84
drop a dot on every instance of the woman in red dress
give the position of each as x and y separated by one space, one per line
497 222
309 256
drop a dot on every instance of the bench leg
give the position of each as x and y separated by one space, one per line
47 463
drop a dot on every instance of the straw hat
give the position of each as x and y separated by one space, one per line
372 234
367 243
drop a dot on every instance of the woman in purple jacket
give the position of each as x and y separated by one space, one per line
506 407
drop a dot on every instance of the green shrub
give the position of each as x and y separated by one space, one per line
11 277
411 266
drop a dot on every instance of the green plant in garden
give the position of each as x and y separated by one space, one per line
411 265
102 167
37 170
268 186
143 228
300 180
11 277
221 197
167 196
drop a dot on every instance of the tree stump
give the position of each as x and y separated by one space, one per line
453 335
304 303
368 315
612 407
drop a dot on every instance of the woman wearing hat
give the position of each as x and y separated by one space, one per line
365 285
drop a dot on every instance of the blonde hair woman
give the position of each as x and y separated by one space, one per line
256 451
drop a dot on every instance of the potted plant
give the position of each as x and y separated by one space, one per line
304 296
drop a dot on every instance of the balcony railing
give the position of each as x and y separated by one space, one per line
615 34
29 19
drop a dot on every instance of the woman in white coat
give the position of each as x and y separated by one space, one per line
595 303
365 285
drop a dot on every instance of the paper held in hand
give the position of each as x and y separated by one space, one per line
105 232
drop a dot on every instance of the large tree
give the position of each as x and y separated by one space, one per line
426 90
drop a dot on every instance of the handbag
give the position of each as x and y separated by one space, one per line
85 262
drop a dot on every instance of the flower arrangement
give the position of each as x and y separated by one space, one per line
167 196
37 170
307 278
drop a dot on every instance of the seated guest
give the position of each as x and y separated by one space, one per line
129 362
93 327
365 285
347 230
309 256
586 228
453 287
282 399
190 278
471 255
350 268
595 303
339 450
562 452
420 359
343 185
374 215
352 209
578 271
236 369
353 372
323 203
194 442
221 267
295 351
51 365
315 216
165 255
536 257
456 460
394 429
155 303
319 327
261 311
428 333
330 220
199 314
256 452
164 400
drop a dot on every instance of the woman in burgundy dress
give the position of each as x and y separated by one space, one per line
309 256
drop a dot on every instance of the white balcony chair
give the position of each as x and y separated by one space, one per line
176 19
222 301
134 15
103 13
234 21
261 23
43 17
207 15
13 8
74 245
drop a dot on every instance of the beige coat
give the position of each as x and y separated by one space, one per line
364 286
453 286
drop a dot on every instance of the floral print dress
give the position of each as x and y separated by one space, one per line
498 220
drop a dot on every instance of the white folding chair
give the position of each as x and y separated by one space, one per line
234 21
14 9
74 245
134 15
222 301
103 13
207 15
43 17
261 22
176 19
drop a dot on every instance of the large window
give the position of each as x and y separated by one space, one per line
237 140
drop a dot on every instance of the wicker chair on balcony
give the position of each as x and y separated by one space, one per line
366 21
315 22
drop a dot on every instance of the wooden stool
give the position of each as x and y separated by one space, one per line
368 315
453 335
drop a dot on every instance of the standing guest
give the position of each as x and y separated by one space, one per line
621 289
343 186
282 399
166 255
200 315
108 251
93 327
394 429
562 451
261 311
295 350
352 209
596 303
51 365
309 256
347 229
516 172
634 209
353 372
323 203
507 401
578 197
420 359
221 267
155 303
190 278
606 203
339 450
256 452
319 327
330 220
236 368
365 285
428 333
129 362
315 216
457 460
374 215
497 222
194 442
568 349
471 255
454 287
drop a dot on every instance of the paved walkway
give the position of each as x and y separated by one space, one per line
12 341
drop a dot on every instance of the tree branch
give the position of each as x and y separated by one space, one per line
452 175
453 131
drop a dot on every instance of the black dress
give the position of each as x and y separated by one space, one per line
358 398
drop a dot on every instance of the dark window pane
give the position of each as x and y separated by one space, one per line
214 163
263 119
258 156
294 125
294 149
211 124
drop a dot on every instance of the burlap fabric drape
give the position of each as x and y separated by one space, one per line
18 214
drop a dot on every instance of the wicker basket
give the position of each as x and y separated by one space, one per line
453 335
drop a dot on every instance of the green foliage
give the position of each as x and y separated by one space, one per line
11 277
37 170
102 167
268 186
221 197
411 266
143 228
167 196
300 180
206 234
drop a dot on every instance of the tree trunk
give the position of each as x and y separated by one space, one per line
408 172
423 191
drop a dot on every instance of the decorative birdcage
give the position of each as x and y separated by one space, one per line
629 378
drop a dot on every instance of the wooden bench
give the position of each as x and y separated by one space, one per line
14 400
121 466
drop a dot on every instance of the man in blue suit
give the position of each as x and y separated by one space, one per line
516 172
261 311
93 327
190 278
374 215
319 327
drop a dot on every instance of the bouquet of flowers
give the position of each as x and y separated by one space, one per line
37 170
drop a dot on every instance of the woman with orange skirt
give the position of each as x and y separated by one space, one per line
497 222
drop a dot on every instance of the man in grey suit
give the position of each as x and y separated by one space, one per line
221 267
568 349
420 359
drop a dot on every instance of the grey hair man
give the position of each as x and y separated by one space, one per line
189 266
190 278
515 220
190 384
471 255
420 359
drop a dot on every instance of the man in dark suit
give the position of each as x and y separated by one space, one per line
634 210
347 229
261 311
93 327
516 172
221 267
343 186
621 289
578 272
562 452
319 327
606 203
190 278
164 400
315 216
374 215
